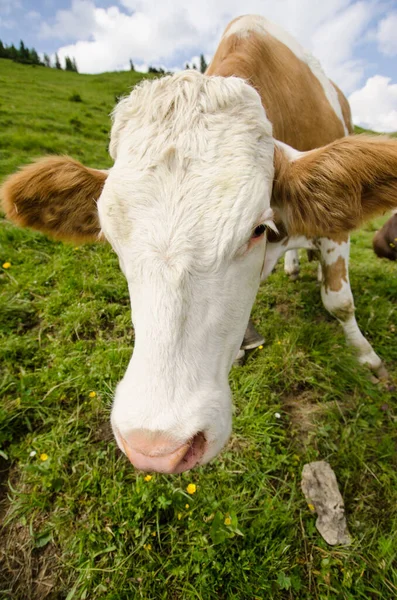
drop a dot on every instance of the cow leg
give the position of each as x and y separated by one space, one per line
291 264
319 272
252 338
337 298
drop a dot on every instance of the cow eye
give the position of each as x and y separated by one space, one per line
259 231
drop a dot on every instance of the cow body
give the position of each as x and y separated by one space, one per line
307 111
214 178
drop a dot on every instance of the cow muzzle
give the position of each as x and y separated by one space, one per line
158 452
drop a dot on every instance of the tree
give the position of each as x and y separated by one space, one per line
132 68
158 70
3 50
68 64
74 63
57 63
23 52
12 52
203 63
34 57
47 60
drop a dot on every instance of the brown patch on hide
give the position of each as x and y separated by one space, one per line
57 196
291 94
334 274
344 313
338 238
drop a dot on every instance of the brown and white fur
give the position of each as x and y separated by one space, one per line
205 168
307 111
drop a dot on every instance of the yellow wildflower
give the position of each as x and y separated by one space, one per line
148 477
187 505
147 546
92 394
191 488
311 507
154 533
260 347
6 265
44 456
227 520
179 516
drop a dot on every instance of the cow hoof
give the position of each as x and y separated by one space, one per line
252 339
382 373
240 359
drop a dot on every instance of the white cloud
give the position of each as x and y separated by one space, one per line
374 106
334 43
7 6
386 35
76 23
153 32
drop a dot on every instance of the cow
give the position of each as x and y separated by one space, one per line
385 240
215 176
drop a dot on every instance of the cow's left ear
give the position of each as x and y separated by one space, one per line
57 196
335 188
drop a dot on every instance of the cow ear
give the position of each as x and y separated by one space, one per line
336 188
57 196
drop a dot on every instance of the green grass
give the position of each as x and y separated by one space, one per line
83 524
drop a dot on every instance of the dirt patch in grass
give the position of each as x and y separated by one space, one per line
4 472
26 572
102 432
305 411
284 309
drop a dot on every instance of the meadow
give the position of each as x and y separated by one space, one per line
77 521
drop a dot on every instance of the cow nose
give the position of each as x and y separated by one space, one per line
157 451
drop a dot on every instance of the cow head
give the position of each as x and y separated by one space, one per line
385 240
185 207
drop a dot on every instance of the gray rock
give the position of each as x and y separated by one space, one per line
320 488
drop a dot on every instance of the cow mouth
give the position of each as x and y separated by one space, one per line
182 459
194 453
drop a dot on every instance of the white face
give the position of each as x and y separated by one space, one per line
191 181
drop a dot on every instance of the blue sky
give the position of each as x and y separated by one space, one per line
356 41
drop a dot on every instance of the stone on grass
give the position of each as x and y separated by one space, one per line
320 488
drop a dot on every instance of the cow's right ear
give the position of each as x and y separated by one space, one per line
57 196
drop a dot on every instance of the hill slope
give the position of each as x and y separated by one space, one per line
38 114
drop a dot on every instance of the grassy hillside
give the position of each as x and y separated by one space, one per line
39 113
78 522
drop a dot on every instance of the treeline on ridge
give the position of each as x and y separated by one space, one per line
29 56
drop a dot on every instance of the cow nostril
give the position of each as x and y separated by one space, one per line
170 460
195 452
